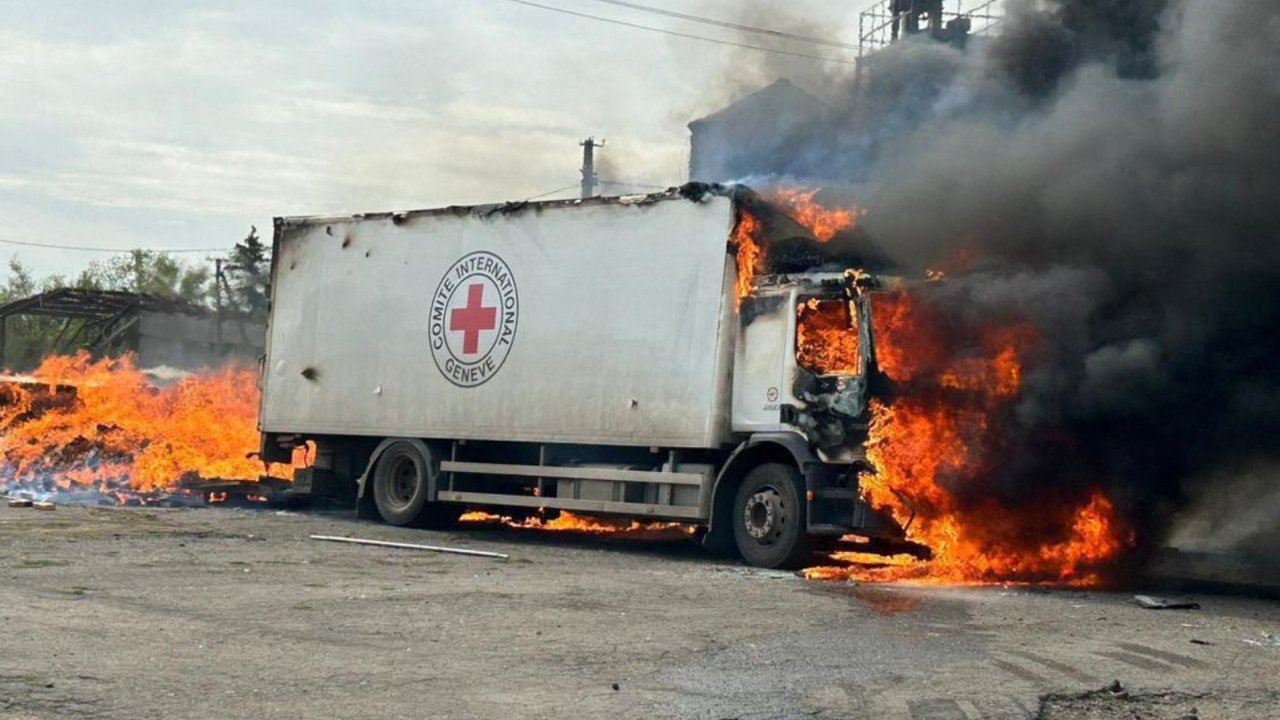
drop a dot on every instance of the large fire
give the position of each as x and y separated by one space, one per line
799 205
75 424
936 443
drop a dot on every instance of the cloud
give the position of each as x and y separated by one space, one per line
169 125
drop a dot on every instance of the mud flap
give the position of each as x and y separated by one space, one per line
836 507
366 509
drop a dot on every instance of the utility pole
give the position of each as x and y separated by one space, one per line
137 271
589 166
217 294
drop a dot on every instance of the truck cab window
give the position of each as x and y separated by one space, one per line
828 341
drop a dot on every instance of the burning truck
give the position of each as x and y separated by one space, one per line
610 356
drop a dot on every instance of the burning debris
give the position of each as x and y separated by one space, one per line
101 431
937 446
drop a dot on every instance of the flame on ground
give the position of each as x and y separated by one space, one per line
933 448
568 522
77 424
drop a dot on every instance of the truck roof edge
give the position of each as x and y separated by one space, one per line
692 191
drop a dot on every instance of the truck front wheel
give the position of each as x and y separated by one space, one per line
401 484
769 518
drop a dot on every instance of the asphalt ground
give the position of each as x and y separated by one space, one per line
206 613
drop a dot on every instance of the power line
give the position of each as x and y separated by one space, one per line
552 192
680 34
85 248
727 24
623 183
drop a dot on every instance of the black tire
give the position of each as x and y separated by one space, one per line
769 518
401 486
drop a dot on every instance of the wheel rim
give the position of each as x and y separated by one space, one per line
765 515
402 482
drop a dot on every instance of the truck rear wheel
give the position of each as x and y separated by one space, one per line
769 518
401 485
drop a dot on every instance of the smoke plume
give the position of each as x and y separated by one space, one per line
1109 171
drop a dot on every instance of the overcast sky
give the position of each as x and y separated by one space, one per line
170 124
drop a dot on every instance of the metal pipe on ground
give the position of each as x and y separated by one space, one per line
411 546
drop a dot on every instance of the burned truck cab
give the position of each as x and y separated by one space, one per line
801 362
802 367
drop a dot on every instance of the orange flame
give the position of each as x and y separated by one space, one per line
827 340
79 424
941 437
748 233
568 522
750 253
823 222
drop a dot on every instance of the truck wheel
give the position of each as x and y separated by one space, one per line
769 518
400 489
400 483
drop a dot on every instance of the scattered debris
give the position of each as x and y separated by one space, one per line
1268 640
238 493
752 573
186 492
1151 602
18 501
1110 703
412 546
104 432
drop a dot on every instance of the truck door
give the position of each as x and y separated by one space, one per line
832 353
760 361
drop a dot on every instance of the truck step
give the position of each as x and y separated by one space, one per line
835 493
836 530
672 512
574 473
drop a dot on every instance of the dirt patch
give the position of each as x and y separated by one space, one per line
1109 704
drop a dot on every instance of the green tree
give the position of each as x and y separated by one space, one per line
248 273
148 271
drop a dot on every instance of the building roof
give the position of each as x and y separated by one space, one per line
97 304
782 95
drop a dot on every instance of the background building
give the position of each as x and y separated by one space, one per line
161 331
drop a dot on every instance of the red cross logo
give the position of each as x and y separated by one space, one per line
473 318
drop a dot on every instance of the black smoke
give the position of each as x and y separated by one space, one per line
1114 167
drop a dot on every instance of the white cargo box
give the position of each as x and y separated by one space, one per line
600 321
